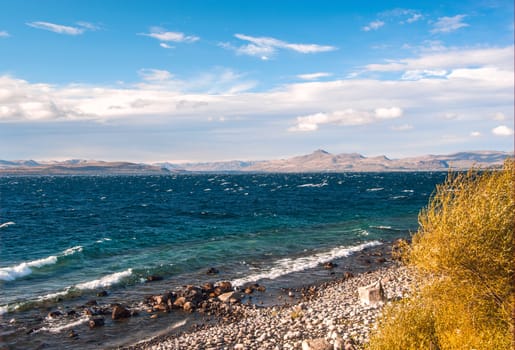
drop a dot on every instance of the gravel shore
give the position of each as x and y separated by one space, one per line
328 316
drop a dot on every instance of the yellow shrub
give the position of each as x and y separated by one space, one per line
464 251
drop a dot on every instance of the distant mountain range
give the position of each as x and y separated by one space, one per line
318 161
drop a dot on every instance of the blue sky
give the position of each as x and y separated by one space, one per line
219 80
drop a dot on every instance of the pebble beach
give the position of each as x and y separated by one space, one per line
327 316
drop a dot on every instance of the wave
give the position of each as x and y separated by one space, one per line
105 239
59 326
313 185
105 281
286 266
9 223
4 309
23 269
375 189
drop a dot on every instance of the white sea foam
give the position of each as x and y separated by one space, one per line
13 272
375 189
105 239
381 227
285 266
5 224
52 295
23 269
408 191
4 309
73 250
105 281
313 185
59 326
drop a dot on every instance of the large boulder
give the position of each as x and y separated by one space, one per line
372 294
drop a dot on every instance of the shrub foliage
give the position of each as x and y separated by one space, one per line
463 257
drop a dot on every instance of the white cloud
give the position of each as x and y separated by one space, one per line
88 25
374 25
313 76
502 58
502 130
4 34
388 113
57 28
449 24
264 47
148 74
165 46
414 18
62 29
475 134
347 117
163 35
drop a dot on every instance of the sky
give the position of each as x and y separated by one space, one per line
178 81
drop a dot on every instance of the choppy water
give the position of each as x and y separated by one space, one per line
68 237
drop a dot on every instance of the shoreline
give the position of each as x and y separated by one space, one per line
151 322
331 311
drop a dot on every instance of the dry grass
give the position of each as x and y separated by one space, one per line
464 253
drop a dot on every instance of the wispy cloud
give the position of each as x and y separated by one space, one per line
80 27
374 25
403 15
347 117
166 46
163 35
4 34
433 63
403 127
153 75
314 76
502 130
449 24
264 47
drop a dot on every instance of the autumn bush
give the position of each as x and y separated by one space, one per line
463 262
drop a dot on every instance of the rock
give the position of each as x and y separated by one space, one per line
248 290
225 286
54 314
208 287
72 334
372 294
102 293
120 312
179 302
316 344
329 265
188 306
153 278
96 322
212 271
92 302
224 298
154 316
348 275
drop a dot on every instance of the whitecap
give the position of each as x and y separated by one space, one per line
5 224
286 266
105 281
13 272
105 239
313 185
73 250
375 189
